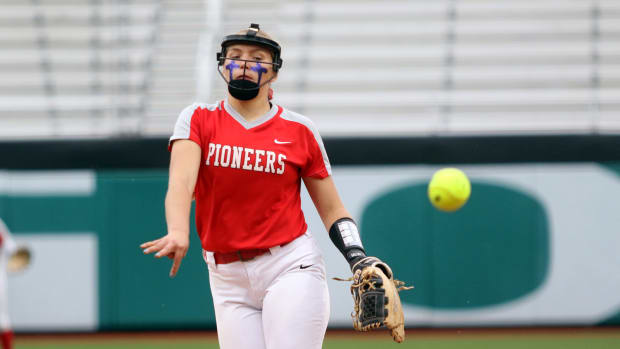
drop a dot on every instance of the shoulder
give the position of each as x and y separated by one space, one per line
292 116
193 121
310 129
191 109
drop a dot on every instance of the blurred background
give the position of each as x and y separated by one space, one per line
524 96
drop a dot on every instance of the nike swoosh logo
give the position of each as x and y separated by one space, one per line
276 141
301 266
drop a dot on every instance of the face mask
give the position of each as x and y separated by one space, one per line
241 89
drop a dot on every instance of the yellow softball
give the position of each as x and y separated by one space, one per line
449 189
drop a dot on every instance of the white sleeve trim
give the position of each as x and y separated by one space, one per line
182 128
295 117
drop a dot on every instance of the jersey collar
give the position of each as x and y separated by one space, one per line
250 124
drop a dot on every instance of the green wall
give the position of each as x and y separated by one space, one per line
455 260
125 210
493 250
136 289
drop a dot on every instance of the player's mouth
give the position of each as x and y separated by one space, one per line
244 77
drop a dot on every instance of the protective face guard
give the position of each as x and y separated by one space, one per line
234 64
251 38
244 89
240 88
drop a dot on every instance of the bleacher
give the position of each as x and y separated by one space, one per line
175 64
75 68
453 67
357 68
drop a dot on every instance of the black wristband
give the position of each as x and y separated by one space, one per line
345 236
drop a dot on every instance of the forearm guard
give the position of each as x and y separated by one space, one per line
346 237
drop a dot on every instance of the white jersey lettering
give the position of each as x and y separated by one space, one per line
247 158
259 160
257 166
281 158
236 160
217 155
225 159
211 151
271 159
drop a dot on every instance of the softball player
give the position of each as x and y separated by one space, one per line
7 247
243 159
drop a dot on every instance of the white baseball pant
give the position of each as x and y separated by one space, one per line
278 300
7 247
5 324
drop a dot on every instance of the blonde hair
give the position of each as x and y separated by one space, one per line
261 34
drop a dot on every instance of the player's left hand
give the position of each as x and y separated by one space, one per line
173 246
376 299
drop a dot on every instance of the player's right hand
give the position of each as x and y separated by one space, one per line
173 246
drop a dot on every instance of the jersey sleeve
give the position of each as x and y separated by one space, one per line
318 165
187 126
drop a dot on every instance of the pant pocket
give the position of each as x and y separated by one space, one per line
209 259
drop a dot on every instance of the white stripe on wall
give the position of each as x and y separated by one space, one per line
31 183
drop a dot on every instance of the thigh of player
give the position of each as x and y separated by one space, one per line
296 308
238 317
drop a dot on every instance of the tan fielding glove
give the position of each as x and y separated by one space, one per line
19 260
375 297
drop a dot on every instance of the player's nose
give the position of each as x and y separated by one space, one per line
241 65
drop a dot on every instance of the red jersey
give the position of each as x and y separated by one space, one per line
248 187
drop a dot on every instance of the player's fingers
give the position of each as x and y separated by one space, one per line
157 247
178 257
169 248
150 243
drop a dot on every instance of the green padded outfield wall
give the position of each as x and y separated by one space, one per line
483 254
140 292
123 210
523 251
537 243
